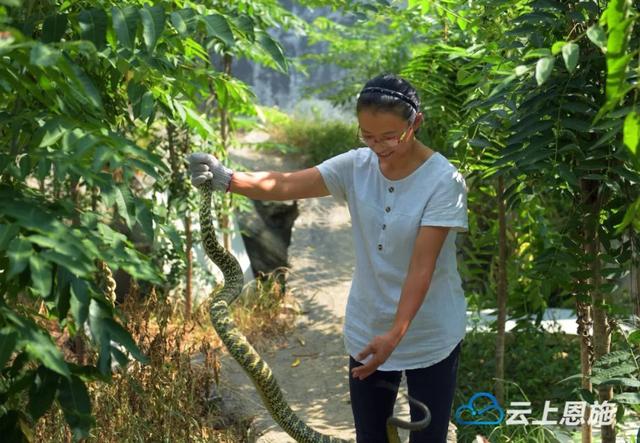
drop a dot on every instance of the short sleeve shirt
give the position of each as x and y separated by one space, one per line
385 218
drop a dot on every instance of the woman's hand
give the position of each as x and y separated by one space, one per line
380 348
203 167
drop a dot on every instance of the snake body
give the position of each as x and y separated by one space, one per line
242 351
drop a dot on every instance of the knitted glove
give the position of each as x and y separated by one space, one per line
203 167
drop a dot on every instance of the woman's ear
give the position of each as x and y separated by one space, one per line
418 120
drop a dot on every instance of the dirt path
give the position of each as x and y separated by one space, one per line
321 257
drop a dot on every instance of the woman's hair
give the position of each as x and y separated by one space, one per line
389 93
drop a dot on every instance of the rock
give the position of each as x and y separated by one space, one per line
266 232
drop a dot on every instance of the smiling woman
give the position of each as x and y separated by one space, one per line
406 308
388 117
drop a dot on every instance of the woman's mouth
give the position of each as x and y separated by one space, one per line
384 154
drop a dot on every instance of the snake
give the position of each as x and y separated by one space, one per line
248 358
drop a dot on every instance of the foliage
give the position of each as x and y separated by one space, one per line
316 138
540 366
89 93
375 39
543 95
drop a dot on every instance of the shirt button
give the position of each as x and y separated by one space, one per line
384 227
387 209
391 189
379 247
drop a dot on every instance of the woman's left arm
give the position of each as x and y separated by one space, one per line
423 262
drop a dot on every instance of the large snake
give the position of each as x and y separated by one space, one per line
238 346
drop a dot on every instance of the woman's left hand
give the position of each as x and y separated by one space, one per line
380 348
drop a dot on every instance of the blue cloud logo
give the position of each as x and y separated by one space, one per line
477 412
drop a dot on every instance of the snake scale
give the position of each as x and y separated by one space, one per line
242 351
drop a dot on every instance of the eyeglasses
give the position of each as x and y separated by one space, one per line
387 143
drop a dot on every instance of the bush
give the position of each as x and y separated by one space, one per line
315 137
536 363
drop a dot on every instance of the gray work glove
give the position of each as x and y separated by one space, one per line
203 167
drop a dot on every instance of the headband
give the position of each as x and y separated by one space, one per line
392 93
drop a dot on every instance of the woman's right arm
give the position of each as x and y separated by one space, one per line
256 185
279 186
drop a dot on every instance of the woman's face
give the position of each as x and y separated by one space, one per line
386 133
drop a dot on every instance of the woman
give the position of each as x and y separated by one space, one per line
406 308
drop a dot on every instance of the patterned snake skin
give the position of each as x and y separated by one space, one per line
246 355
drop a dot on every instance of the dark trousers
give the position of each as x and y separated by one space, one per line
372 404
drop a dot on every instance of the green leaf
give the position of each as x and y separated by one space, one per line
125 23
19 252
40 275
51 132
142 102
44 55
180 20
146 107
152 25
122 206
121 358
195 121
63 291
100 334
179 23
93 26
611 359
631 132
120 335
77 265
537 53
597 35
587 396
634 337
76 405
568 175
144 216
616 371
42 392
628 398
79 300
8 340
54 28
58 241
89 90
246 25
576 124
274 50
570 54
218 26
11 3
544 66
7 233
621 381
557 47
37 343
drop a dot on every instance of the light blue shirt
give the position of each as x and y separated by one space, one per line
385 219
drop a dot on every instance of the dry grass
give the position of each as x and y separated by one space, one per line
171 398
266 313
